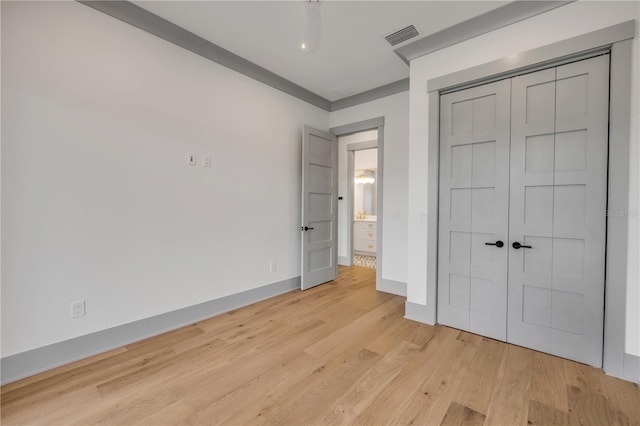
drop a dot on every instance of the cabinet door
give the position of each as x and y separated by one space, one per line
557 210
474 191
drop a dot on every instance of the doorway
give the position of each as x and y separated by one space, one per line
354 137
365 211
523 190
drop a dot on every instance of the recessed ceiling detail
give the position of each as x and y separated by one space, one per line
402 35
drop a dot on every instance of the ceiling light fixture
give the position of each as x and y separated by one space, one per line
313 30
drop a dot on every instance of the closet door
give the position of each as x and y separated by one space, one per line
557 210
474 191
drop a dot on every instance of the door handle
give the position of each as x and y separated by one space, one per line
497 244
517 246
306 228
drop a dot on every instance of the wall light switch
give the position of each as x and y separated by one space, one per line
206 160
191 159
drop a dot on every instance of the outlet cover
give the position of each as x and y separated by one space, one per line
77 309
206 160
273 266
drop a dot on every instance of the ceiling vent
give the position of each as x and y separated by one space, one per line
402 35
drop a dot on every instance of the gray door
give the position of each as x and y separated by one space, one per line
319 207
558 201
524 161
474 205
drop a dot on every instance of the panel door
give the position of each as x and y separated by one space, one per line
474 190
319 208
557 210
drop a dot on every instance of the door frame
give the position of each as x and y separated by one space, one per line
351 161
376 123
617 41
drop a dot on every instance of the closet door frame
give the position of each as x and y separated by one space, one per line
617 41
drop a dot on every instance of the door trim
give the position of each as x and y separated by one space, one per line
617 41
347 129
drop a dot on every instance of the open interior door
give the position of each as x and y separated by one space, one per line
319 207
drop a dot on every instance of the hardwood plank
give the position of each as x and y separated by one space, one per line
624 395
548 385
390 405
482 375
458 414
542 414
359 330
431 402
312 403
347 407
592 408
510 400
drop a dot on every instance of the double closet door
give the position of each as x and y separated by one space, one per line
522 224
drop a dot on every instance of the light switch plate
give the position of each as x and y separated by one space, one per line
206 160
191 159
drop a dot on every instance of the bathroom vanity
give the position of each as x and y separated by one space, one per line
364 236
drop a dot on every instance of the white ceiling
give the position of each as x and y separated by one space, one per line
354 56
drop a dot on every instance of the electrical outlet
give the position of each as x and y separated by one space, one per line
77 309
206 160
273 266
191 159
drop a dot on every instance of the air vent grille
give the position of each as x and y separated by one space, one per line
402 35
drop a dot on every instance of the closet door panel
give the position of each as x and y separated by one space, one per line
474 175
557 207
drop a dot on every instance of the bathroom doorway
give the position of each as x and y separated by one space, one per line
365 201
352 138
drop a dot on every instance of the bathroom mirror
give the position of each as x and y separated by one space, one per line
365 192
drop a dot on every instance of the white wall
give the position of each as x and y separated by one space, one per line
395 110
98 203
559 24
366 159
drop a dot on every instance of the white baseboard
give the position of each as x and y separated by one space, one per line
25 364
393 287
631 367
419 313
344 261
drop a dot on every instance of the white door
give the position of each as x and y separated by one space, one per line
540 187
319 207
474 203
558 201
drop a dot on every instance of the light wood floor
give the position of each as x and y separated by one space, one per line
341 353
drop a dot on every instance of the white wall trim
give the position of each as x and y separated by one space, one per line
631 369
417 312
542 57
393 287
142 19
25 364
502 16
